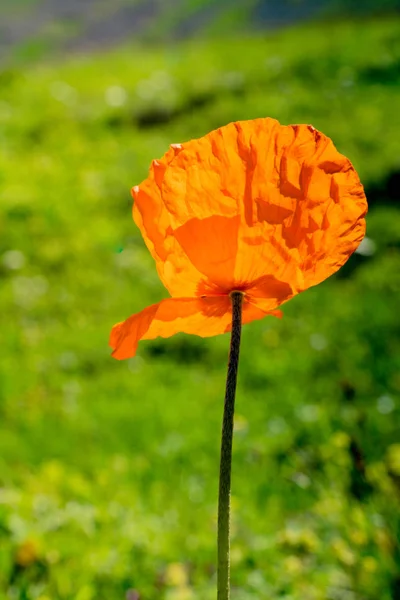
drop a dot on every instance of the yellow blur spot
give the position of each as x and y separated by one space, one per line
343 552
240 424
184 593
303 540
358 537
293 565
369 564
236 555
27 553
329 506
176 575
384 540
341 439
53 471
393 458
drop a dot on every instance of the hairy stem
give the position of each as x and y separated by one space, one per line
224 499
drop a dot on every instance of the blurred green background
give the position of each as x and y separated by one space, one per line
108 470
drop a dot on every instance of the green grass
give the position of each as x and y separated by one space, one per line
108 470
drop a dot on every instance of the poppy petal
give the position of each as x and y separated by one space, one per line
212 245
267 292
176 271
204 317
255 198
308 207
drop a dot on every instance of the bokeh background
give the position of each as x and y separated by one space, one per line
108 470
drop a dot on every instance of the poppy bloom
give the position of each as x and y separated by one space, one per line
256 207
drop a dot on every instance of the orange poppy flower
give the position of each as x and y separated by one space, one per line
254 206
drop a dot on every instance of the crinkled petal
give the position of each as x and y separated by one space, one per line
251 199
176 271
204 317
308 216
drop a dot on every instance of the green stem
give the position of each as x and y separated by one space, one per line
224 499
